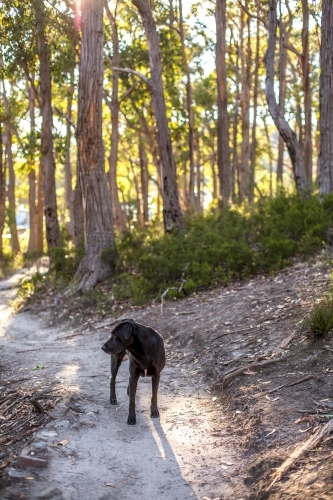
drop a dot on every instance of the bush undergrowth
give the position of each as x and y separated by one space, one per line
217 248
320 319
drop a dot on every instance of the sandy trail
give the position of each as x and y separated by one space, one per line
185 454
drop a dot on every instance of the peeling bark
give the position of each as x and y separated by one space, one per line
97 263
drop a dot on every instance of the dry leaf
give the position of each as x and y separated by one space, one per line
64 442
249 372
29 478
110 484
133 477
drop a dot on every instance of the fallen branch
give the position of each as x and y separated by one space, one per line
252 329
312 442
252 366
283 385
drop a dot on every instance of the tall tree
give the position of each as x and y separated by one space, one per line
96 264
47 156
114 106
283 39
307 144
32 245
172 215
2 192
223 150
191 202
69 193
326 100
245 56
287 134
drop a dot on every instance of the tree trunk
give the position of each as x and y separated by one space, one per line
68 170
32 245
118 216
234 165
244 177
284 129
144 180
172 215
191 203
307 145
47 156
199 195
326 100
255 110
40 210
2 193
283 38
98 260
270 158
78 213
11 193
223 152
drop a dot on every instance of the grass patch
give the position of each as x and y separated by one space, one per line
320 319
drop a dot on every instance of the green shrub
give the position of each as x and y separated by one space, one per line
221 246
320 319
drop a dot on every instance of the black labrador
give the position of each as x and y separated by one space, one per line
146 352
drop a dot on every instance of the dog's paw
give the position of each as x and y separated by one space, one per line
154 414
131 420
113 401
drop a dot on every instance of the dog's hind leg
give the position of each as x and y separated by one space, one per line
155 380
116 360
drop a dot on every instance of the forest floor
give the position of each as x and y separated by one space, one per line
243 387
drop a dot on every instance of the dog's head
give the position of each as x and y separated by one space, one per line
121 337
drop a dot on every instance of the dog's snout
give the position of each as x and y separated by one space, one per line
103 347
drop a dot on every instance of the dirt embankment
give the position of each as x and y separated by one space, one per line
244 386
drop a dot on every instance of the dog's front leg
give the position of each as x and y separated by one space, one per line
155 380
116 360
133 382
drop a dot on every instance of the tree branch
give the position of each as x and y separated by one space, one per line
133 72
292 49
253 16
62 115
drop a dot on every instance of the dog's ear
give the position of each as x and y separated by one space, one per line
128 326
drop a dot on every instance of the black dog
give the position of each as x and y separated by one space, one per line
146 358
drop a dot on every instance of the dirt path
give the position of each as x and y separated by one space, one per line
208 444
172 458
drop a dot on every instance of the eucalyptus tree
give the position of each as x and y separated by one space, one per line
99 241
47 158
223 150
326 100
287 134
172 215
